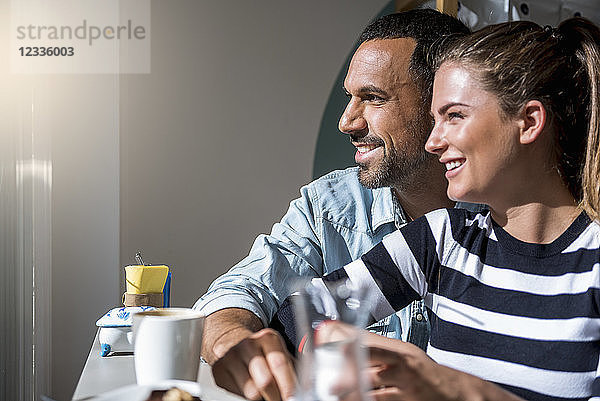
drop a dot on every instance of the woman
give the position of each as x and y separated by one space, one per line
513 293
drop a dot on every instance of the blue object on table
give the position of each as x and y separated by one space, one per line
104 349
115 333
167 292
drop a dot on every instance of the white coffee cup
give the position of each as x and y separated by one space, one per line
167 344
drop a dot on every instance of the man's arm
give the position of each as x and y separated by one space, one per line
270 273
247 360
264 278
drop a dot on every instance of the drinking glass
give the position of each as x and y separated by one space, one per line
329 319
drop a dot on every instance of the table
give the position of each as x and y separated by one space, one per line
102 374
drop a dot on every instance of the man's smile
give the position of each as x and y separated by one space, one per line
366 151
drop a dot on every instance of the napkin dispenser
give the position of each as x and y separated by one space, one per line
147 285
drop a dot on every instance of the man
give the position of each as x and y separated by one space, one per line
341 215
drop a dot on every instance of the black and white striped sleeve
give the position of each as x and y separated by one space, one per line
401 268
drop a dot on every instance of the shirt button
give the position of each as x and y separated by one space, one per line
419 317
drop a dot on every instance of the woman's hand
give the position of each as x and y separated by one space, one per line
400 371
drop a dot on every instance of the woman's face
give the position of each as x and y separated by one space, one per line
472 138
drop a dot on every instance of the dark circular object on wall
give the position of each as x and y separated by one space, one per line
525 8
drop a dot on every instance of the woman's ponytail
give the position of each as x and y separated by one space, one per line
585 37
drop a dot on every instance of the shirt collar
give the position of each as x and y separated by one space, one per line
382 210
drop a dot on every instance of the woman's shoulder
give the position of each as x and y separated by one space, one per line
453 225
457 216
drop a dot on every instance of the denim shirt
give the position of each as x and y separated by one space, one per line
335 221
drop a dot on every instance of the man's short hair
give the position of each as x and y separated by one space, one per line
426 27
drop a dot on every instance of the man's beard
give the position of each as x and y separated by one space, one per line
401 169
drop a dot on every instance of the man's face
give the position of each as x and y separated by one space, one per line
385 117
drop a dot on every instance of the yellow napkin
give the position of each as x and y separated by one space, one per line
145 279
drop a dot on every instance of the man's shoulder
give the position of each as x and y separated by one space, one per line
345 176
344 184
339 194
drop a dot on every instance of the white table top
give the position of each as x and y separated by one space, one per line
102 374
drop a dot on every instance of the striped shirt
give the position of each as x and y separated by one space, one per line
525 316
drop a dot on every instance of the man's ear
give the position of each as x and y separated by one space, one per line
532 121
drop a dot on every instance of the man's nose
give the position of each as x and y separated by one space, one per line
352 120
436 143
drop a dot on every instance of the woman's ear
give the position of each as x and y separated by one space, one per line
532 121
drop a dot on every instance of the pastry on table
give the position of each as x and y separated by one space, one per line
173 394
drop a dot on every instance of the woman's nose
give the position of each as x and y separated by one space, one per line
436 143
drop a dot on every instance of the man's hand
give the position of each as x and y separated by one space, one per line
246 359
258 367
